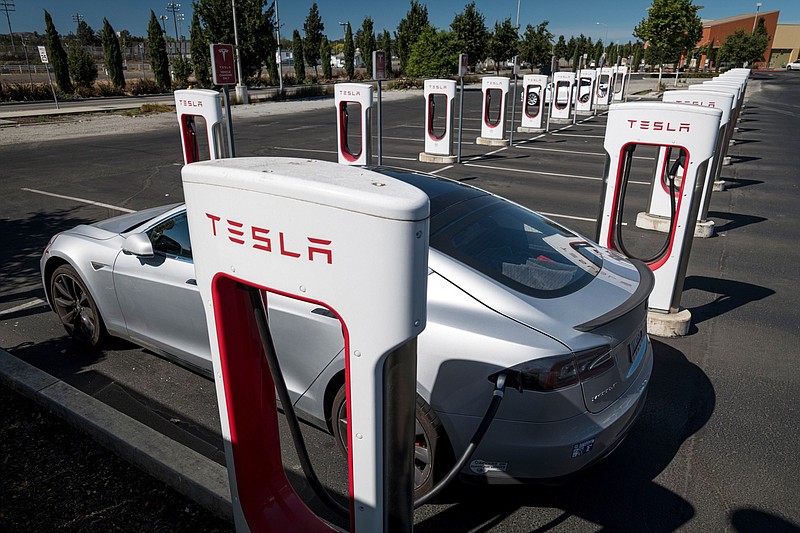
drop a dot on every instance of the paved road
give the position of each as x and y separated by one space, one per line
715 447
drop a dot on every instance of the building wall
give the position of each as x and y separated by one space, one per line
716 31
785 46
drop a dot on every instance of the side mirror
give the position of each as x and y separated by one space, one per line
138 244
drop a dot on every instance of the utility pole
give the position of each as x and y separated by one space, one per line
755 19
8 5
241 90
279 57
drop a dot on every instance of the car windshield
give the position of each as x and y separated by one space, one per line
504 241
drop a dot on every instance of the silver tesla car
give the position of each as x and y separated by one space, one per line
508 290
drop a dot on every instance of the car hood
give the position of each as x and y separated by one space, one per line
618 287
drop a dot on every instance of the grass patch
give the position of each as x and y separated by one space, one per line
148 109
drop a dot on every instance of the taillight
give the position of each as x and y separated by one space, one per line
558 371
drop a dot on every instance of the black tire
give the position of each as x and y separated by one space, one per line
428 458
76 308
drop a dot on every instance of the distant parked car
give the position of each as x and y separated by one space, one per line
794 65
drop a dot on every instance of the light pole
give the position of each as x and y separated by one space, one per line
163 23
755 19
241 90
174 9
279 58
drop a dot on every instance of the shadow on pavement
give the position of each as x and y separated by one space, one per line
730 295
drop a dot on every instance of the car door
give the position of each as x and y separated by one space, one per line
158 295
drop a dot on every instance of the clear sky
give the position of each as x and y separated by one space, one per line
567 17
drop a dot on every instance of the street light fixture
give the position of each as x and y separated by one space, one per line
605 41
164 18
174 9
755 19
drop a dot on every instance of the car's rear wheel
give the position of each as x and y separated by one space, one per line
428 435
76 307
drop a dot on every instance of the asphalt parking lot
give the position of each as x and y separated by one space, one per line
715 449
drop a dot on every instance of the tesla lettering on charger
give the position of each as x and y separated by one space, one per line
331 235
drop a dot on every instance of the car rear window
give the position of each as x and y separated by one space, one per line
516 247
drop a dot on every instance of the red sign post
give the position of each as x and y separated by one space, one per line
224 73
222 64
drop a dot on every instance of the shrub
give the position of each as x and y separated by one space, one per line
26 92
106 88
143 86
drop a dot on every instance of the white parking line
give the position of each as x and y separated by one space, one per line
579 135
553 174
448 167
81 200
36 302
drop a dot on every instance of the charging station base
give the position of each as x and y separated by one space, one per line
425 157
525 129
561 120
491 142
702 229
726 161
719 185
669 324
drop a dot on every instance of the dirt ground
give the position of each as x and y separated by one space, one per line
55 478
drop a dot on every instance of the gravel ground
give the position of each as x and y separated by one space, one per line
55 478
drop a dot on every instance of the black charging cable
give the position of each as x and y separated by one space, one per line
259 313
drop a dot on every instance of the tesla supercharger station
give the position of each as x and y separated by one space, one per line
736 92
619 84
204 103
493 113
658 212
330 235
605 82
440 96
587 79
533 98
692 132
563 91
353 123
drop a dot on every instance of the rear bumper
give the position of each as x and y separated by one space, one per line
520 452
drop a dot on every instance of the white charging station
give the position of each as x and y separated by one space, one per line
353 123
586 86
657 216
690 130
204 103
619 85
563 91
332 236
440 96
493 112
533 98
605 88
736 92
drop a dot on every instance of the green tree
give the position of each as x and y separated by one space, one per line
325 55
743 47
536 45
386 45
434 54
57 55
157 51
349 52
297 52
504 42
671 27
199 48
469 31
638 55
112 55
85 34
313 28
367 44
560 48
409 30
82 68
256 28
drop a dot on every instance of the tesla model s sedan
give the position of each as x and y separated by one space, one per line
508 290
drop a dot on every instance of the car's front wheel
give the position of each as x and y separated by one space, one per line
428 437
76 307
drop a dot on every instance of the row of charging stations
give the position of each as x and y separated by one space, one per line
687 135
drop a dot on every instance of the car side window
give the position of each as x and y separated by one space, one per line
171 237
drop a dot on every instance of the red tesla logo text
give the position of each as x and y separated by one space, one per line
697 102
349 93
258 238
658 125
190 103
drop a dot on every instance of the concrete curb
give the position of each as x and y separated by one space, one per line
188 472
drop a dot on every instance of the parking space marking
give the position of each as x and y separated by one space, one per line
578 135
81 200
448 167
541 173
334 151
570 217
36 302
